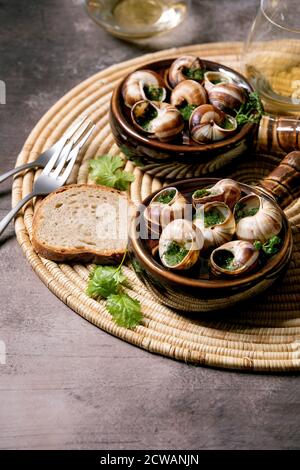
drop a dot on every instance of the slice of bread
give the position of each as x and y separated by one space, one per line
84 223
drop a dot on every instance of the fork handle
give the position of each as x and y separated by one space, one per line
5 221
16 170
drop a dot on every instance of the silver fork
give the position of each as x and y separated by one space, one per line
56 171
44 158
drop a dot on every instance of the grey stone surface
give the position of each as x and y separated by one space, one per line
67 384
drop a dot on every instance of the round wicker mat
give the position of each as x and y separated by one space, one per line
263 335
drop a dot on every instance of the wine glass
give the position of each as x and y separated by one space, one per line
271 55
137 19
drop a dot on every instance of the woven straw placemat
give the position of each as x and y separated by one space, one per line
264 335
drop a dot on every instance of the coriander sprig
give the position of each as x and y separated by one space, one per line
251 111
108 282
108 171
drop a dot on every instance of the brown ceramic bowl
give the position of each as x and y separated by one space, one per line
189 292
205 158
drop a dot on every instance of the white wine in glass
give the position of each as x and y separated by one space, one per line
271 55
137 19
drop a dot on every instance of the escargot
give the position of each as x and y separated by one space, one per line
257 218
209 124
187 96
180 245
159 120
167 205
216 223
186 67
225 190
226 96
234 258
212 78
141 85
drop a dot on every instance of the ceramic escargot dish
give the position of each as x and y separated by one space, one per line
205 244
185 110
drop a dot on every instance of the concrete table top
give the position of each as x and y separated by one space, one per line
67 384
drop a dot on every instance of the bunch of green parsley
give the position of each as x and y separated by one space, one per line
109 171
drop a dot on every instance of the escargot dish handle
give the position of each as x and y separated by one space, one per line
283 183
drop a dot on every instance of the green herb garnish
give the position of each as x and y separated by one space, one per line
108 171
241 211
175 253
251 111
226 260
213 217
145 119
227 124
124 310
201 193
108 282
270 247
104 281
194 74
165 197
186 110
153 93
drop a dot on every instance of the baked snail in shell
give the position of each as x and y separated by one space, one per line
143 85
188 94
213 78
180 245
159 120
186 67
225 190
216 222
167 205
209 124
257 218
234 258
227 96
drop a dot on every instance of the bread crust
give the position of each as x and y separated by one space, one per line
63 254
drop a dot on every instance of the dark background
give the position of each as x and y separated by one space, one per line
67 384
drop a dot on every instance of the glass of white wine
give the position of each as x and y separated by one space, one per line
137 19
271 55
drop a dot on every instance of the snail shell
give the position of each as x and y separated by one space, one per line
242 256
135 87
190 92
226 96
180 234
212 78
178 69
206 124
167 205
265 222
217 233
226 190
159 120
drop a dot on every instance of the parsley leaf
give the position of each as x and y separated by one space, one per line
104 281
108 171
251 111
125 310
270 247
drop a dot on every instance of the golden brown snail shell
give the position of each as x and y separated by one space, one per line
225 190
159 214
206 124
215 234
227 96
135 87
212 78
263 224
187 236
190 92
159 120
242 256
177 71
